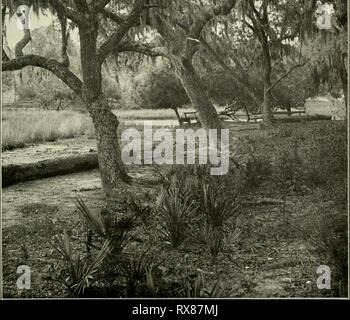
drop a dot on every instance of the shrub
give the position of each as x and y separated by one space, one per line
159 88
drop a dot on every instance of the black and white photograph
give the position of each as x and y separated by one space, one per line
174 149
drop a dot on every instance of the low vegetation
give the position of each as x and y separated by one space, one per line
27 127
280 210
23 127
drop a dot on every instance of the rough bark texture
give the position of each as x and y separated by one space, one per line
207 114
267 107
64 38
343 74
344 80
267 113
105 122
112 168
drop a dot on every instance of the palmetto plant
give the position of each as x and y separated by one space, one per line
176 208
214 239
80 272
198 288
216 205
137 271
109 226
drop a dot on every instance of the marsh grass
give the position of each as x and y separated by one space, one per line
147 114
27 126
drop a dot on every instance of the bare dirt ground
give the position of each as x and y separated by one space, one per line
48 150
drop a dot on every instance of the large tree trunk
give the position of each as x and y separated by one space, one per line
105 122
207 114
344 80
267 113
112 168
343 74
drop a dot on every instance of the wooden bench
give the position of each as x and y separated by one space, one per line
188 117
255 117
298 112
230 111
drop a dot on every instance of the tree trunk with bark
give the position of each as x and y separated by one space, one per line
206 112
112 169
106 124
267 113
343 74
344 80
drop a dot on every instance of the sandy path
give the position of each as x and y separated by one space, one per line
48 150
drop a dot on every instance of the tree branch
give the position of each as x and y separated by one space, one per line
82 5
285 75
210 14
119 19
145 49
200 23
239 83
68 12
99 5
57 68
113 41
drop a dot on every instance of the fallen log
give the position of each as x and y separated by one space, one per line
15 173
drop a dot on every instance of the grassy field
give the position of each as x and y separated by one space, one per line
21 127
27 126
147 114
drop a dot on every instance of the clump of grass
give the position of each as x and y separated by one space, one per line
176 210
80 272
216 204
35 126
197 287
214 239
